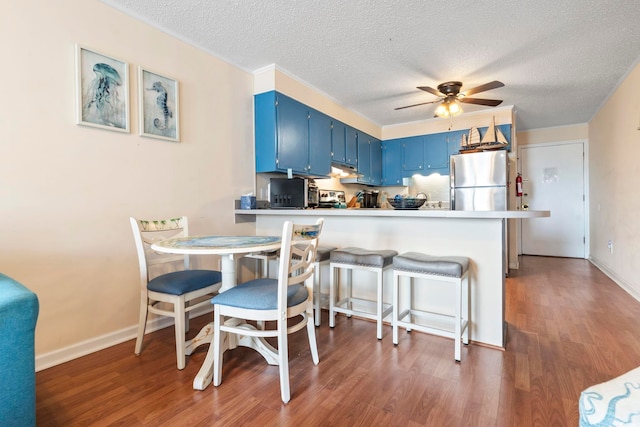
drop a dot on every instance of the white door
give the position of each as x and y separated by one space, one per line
553 179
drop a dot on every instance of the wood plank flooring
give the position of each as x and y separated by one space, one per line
569 327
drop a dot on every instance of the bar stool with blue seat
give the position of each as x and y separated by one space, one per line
264 258
320 300
358 259
449 269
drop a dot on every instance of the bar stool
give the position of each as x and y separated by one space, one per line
264 257
450 269
358 259
320 300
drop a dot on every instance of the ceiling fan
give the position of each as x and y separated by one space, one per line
450 97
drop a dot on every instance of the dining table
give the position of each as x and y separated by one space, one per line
230 249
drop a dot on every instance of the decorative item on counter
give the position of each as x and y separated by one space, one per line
384 201
408 202
248 201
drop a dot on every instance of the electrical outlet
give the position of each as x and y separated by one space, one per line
610 246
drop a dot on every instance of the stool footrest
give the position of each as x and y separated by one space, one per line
339 307
437 324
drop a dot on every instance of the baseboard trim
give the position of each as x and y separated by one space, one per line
618 281
92 345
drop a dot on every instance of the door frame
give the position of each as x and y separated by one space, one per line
585 178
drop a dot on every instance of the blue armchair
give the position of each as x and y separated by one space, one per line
18 315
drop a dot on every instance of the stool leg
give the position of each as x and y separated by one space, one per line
316 293
411 317
379 322
332 294
349 290
458 325
466 296
396 308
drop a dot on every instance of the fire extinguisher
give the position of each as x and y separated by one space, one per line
519 185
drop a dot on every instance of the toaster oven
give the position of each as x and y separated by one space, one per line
293 193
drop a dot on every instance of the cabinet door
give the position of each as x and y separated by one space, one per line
293 135
455 140
351 147
376 161
364 159
319 144
413 154
266 133
436 152
392 162
338 136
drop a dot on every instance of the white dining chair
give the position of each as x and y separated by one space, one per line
184 290
277 300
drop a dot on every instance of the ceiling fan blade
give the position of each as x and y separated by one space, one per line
479 101
487 86
431 90
415 105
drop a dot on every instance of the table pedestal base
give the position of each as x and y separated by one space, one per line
229 341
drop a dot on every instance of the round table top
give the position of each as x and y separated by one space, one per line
217 244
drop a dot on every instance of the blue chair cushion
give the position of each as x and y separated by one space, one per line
260 294
182 282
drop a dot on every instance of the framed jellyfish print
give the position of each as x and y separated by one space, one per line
158 106
102 91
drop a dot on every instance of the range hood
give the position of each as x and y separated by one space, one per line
342 171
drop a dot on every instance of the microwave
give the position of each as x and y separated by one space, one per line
293 193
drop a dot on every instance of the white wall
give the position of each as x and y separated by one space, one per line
614 134
67 191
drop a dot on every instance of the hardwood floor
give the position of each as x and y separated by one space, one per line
569 327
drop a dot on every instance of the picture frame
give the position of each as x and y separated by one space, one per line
102 90
159 108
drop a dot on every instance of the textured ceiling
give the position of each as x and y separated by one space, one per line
559 60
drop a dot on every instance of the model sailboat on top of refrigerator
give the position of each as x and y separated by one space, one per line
493 139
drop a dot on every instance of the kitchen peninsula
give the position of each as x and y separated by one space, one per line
478 235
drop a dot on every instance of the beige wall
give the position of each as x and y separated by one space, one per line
614 137
579 132
67 191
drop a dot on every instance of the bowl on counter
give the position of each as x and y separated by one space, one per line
406 202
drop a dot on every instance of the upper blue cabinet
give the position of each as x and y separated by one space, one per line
338 144
412 154
369 160
291 136
392 162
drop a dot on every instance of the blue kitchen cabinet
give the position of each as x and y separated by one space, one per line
364 159
338 142
392 162
319 144
412 155
292 120
351 147
369 161
455 139
344 145
290 135
436 154
376 161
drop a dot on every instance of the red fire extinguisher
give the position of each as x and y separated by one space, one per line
519 185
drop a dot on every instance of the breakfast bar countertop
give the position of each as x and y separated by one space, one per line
396 213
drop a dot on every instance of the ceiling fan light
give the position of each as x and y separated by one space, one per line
442 110
455 108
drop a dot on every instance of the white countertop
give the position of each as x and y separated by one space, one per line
419 213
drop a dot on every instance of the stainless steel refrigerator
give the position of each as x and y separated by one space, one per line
479 181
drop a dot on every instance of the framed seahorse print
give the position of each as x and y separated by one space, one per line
159 109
